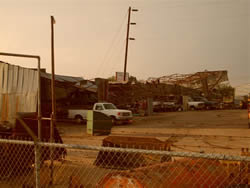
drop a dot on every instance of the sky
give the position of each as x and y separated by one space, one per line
172 36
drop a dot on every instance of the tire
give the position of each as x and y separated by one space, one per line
125 122
180 109
113 119
192 108
78 119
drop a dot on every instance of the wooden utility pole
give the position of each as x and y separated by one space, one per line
127 39
53 100
126 49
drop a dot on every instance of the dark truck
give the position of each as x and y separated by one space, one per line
166 106
209 105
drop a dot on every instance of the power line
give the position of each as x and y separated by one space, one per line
117 55
109 59
111 46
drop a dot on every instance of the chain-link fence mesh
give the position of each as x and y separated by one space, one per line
16 163
75 166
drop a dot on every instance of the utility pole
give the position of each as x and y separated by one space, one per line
53 102
53 99
127 39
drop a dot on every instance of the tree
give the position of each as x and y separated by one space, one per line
132 79
112 78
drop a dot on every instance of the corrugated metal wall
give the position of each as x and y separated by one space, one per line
18 91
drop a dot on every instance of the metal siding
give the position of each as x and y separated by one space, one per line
12 106
1 87
30 80
15 79
21 103
18 91
25 81
10 79
20 80
34 82
1 77
5 78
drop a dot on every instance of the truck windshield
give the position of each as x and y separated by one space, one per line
203 99
109 106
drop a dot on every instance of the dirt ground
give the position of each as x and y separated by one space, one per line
224 131
195 119
220 131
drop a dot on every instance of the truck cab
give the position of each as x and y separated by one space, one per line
109 109
195 105
116 114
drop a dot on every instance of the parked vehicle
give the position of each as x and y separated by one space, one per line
243 104
109 109
227 102
195 105
209 105
159 106
172 107
238 104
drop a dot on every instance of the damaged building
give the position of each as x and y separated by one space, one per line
19 92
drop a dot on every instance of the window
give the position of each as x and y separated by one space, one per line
109 106
99 107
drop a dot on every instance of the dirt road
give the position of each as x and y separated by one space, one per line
224 131
194 119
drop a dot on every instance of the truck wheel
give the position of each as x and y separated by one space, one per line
192 108
113 120
180 109
78 119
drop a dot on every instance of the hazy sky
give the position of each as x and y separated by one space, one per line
172 36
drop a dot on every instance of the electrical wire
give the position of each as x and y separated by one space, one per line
115 64
112 53
110 47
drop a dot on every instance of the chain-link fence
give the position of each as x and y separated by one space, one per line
28 164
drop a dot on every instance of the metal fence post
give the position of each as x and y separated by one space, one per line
51 149
37 164
248 110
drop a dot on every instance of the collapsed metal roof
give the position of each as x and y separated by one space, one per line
19 89
78 82
61 78
195 81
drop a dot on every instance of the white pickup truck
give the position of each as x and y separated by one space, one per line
195 105
109 109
